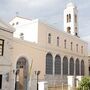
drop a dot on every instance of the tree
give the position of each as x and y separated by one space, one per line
84 84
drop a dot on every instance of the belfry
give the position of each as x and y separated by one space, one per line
71 19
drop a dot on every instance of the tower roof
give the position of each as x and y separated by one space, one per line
71 4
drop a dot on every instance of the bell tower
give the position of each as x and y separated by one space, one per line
70 19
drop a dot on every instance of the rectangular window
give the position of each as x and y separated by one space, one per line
1 47
65 44
57 41
0 81
71 46
49 38
76 47
82 49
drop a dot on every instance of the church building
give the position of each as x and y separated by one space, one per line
31 46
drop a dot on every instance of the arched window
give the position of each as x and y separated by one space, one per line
65 43
65 66
82 67
57 64
57 41
71 45
71 66
75 18
77 67
76 34
21 62
69 17
68 29
49 64
49 38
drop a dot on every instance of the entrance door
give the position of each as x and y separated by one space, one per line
21 74
0 81
21 79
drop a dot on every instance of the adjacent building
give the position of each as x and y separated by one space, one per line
6 56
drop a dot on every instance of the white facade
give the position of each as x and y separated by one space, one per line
71 19
26 27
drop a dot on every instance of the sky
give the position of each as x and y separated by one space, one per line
50 11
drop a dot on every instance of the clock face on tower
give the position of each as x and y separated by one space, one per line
1 47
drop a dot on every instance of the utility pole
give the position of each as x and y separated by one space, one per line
37 74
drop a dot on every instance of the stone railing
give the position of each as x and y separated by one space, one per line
55 79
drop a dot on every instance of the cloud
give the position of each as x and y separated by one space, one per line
83 4
18 1
33 3
49 10
35 8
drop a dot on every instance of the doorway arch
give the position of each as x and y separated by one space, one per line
21 77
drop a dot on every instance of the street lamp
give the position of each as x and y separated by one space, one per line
37 74
17 80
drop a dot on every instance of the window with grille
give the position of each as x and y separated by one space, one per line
71 66
77 67
1 47
49 64
57 64
65 66
82 67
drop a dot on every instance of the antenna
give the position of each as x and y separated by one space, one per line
17 13
71 0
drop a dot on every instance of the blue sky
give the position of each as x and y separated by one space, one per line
50 11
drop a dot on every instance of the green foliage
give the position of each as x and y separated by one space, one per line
84 84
